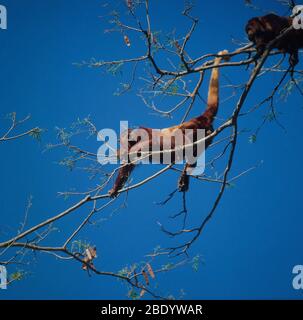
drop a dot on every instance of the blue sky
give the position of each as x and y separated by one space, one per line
254 240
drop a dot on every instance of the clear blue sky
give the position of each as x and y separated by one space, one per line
255 238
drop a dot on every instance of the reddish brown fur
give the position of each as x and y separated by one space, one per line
204 121
262 30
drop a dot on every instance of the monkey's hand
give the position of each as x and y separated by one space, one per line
113 193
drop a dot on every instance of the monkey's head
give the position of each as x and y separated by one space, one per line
262 30
253 28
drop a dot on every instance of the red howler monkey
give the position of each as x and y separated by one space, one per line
262 30
204 121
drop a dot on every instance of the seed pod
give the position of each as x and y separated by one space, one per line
142 293
150 270
145 277
126 40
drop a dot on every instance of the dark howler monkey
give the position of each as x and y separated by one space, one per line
262 30
204 121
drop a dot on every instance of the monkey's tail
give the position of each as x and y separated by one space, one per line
213 91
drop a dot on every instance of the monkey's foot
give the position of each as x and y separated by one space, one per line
183 183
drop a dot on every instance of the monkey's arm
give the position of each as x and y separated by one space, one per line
133 156
123 175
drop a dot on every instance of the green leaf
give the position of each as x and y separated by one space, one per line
270 117
79 246
168 266
115 68
230 185
68 162
196 262
252 138
17 276
133 294
36 133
